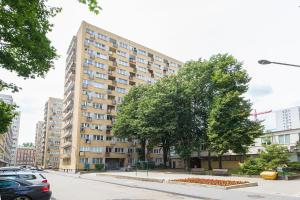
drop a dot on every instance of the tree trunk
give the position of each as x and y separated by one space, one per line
143 149
165 155
188 160
209 161
220 162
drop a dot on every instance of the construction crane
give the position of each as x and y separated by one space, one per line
255 114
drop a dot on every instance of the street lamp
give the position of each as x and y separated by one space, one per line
267 62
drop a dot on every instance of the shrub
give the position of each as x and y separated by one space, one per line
99 166
294 166
274 156
253 166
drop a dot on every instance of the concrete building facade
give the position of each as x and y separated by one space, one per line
25 156
101 67
39 144
287 119
9 141
52 132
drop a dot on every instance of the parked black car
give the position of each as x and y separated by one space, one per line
17 189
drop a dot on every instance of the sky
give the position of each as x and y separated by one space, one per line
186 30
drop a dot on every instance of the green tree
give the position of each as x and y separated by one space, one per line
128 122
24 46
157 111
28 144
7 113
229 126
196 79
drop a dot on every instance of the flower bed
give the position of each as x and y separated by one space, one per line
210 181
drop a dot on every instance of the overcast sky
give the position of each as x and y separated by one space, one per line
249 29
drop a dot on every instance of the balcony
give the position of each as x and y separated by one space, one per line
66 155
68 114
66 144
113 63
70 67
69 95
67 134
68 105
69 86
112 102
69 76
68 124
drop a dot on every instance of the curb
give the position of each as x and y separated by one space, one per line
134 178
181 183
216 186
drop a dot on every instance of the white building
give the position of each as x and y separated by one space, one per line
287 119
288 138
14 129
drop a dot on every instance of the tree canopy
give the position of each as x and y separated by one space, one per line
203 107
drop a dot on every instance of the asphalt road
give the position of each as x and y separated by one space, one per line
72 188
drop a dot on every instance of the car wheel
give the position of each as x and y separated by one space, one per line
22 198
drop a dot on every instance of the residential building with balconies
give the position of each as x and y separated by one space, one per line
51 135
39 144
9 140
101 67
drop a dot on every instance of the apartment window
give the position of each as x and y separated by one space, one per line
102 56
102 37
158 66
99 85
96 149
157 58
97 127
120 99
88 41
122 71
284 139
99 116
98 106
122 62
85 136
100 65
142 69
123 81
100 95
122 53
101 46
85 125
108 138
98 137
141 77
89 31
97 160
141 60
100 75
171 71
160 75
142 52
85 82
119 150
123 45
121 90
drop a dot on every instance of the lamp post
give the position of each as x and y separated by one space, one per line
267 62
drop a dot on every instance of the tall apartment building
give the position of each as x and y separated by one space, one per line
9 141
39 144
52 132
287 119
25 156
101 67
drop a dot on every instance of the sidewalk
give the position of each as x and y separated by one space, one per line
275 187
267 190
